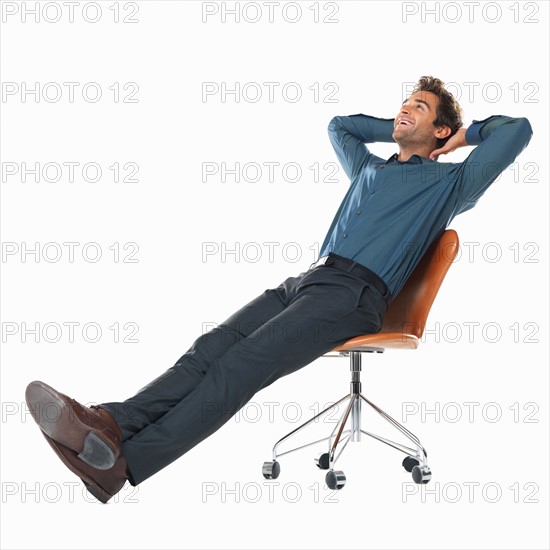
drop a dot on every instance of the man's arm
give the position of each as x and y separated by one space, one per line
348 135
499 139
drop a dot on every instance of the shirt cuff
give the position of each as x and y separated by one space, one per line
472 133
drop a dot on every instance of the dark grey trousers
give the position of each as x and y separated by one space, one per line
277 333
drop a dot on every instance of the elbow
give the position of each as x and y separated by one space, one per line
525 131
334 124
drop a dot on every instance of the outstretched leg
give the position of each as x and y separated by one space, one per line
327 310
159 396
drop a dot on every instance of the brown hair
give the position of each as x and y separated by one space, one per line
448 110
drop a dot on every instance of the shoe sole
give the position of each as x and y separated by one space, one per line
56 418
92 487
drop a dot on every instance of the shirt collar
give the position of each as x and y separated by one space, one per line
414 159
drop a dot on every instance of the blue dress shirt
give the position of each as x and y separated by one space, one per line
394 210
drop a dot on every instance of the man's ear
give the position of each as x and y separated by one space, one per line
441 132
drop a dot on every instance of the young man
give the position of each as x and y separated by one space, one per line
393 210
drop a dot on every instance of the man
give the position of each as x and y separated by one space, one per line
393 210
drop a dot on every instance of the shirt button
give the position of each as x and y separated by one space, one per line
345 235
372 192
358 212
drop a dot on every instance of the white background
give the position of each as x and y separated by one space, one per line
369 53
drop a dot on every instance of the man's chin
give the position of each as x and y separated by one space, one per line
404 140
399 139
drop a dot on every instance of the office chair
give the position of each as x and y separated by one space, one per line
402 328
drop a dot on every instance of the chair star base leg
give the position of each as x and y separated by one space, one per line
415 462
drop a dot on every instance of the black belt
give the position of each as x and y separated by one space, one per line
345 264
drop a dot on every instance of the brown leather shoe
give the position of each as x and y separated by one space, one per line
102 484
89 431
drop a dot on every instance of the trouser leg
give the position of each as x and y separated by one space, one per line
322 315
159 396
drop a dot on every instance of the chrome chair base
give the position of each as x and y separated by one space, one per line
415 462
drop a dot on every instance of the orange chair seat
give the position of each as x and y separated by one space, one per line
382 340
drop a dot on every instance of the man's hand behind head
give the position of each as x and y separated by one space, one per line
454 142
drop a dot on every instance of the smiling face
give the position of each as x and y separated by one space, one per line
413 125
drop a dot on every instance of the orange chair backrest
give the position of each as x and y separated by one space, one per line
409 311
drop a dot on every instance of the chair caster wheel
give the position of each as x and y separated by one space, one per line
421 475
271 470
409 463
323 462
335 480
